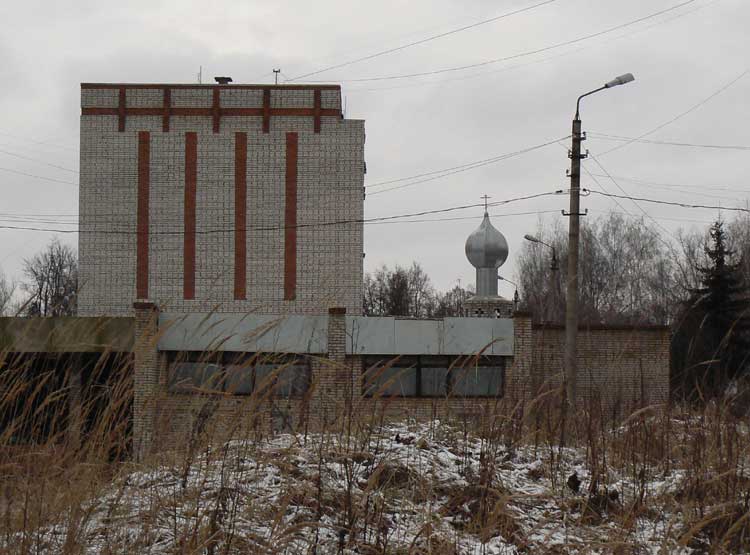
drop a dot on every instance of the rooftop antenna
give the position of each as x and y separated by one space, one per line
200 74
276 76
486 198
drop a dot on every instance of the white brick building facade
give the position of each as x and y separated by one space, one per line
161 176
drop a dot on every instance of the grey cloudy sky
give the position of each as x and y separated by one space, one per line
414 125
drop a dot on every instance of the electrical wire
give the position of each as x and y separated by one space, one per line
671 203
38 176
422 41
669 246
675 188
521 54
660 218
458 169
668 143
44 143
669 185
546 59
38 161
298 226
679 116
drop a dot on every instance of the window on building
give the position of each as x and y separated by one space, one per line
477 381
239 379
240 375
433 376
391 380
189 377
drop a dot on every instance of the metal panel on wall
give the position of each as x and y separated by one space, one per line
243 333
452 336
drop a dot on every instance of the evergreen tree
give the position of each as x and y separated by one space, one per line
711 344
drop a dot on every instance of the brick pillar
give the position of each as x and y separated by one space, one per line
145 377
334 375
337 334
519 379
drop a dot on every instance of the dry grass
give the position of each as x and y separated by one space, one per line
664 479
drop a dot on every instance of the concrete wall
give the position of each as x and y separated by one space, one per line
122 173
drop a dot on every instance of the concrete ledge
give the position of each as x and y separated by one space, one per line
68 334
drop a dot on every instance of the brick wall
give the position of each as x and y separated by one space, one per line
621 366
334 400
149 196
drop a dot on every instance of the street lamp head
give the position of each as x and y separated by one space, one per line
531 238
621 80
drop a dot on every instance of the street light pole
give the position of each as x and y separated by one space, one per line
552 297
516 298
571 308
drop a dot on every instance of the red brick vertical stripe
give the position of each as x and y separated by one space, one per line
266 110
316 110
121 111
216 110
290 219
142 216
240 215
191 170
167 110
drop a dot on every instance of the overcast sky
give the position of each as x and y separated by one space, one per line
414 125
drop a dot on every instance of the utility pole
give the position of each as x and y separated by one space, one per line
574 233
571 308
276 76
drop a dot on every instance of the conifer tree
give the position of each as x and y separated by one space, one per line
711 343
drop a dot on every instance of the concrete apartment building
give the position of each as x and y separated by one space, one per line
227 219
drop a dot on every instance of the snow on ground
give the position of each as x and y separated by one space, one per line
403 488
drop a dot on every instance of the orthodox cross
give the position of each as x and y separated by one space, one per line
485 197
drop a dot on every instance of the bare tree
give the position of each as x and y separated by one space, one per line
451 303
626 274
51 281
7 288
399 292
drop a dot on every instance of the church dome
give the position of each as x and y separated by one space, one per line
486 247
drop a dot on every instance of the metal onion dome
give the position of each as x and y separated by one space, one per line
486 247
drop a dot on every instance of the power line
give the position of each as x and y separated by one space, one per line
660 218
669 185
298 226
457 169
669 143
463 78
38 161
506 215
38 176
422 41
671 203
674 119
667 244
673 188
44 143
521 54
